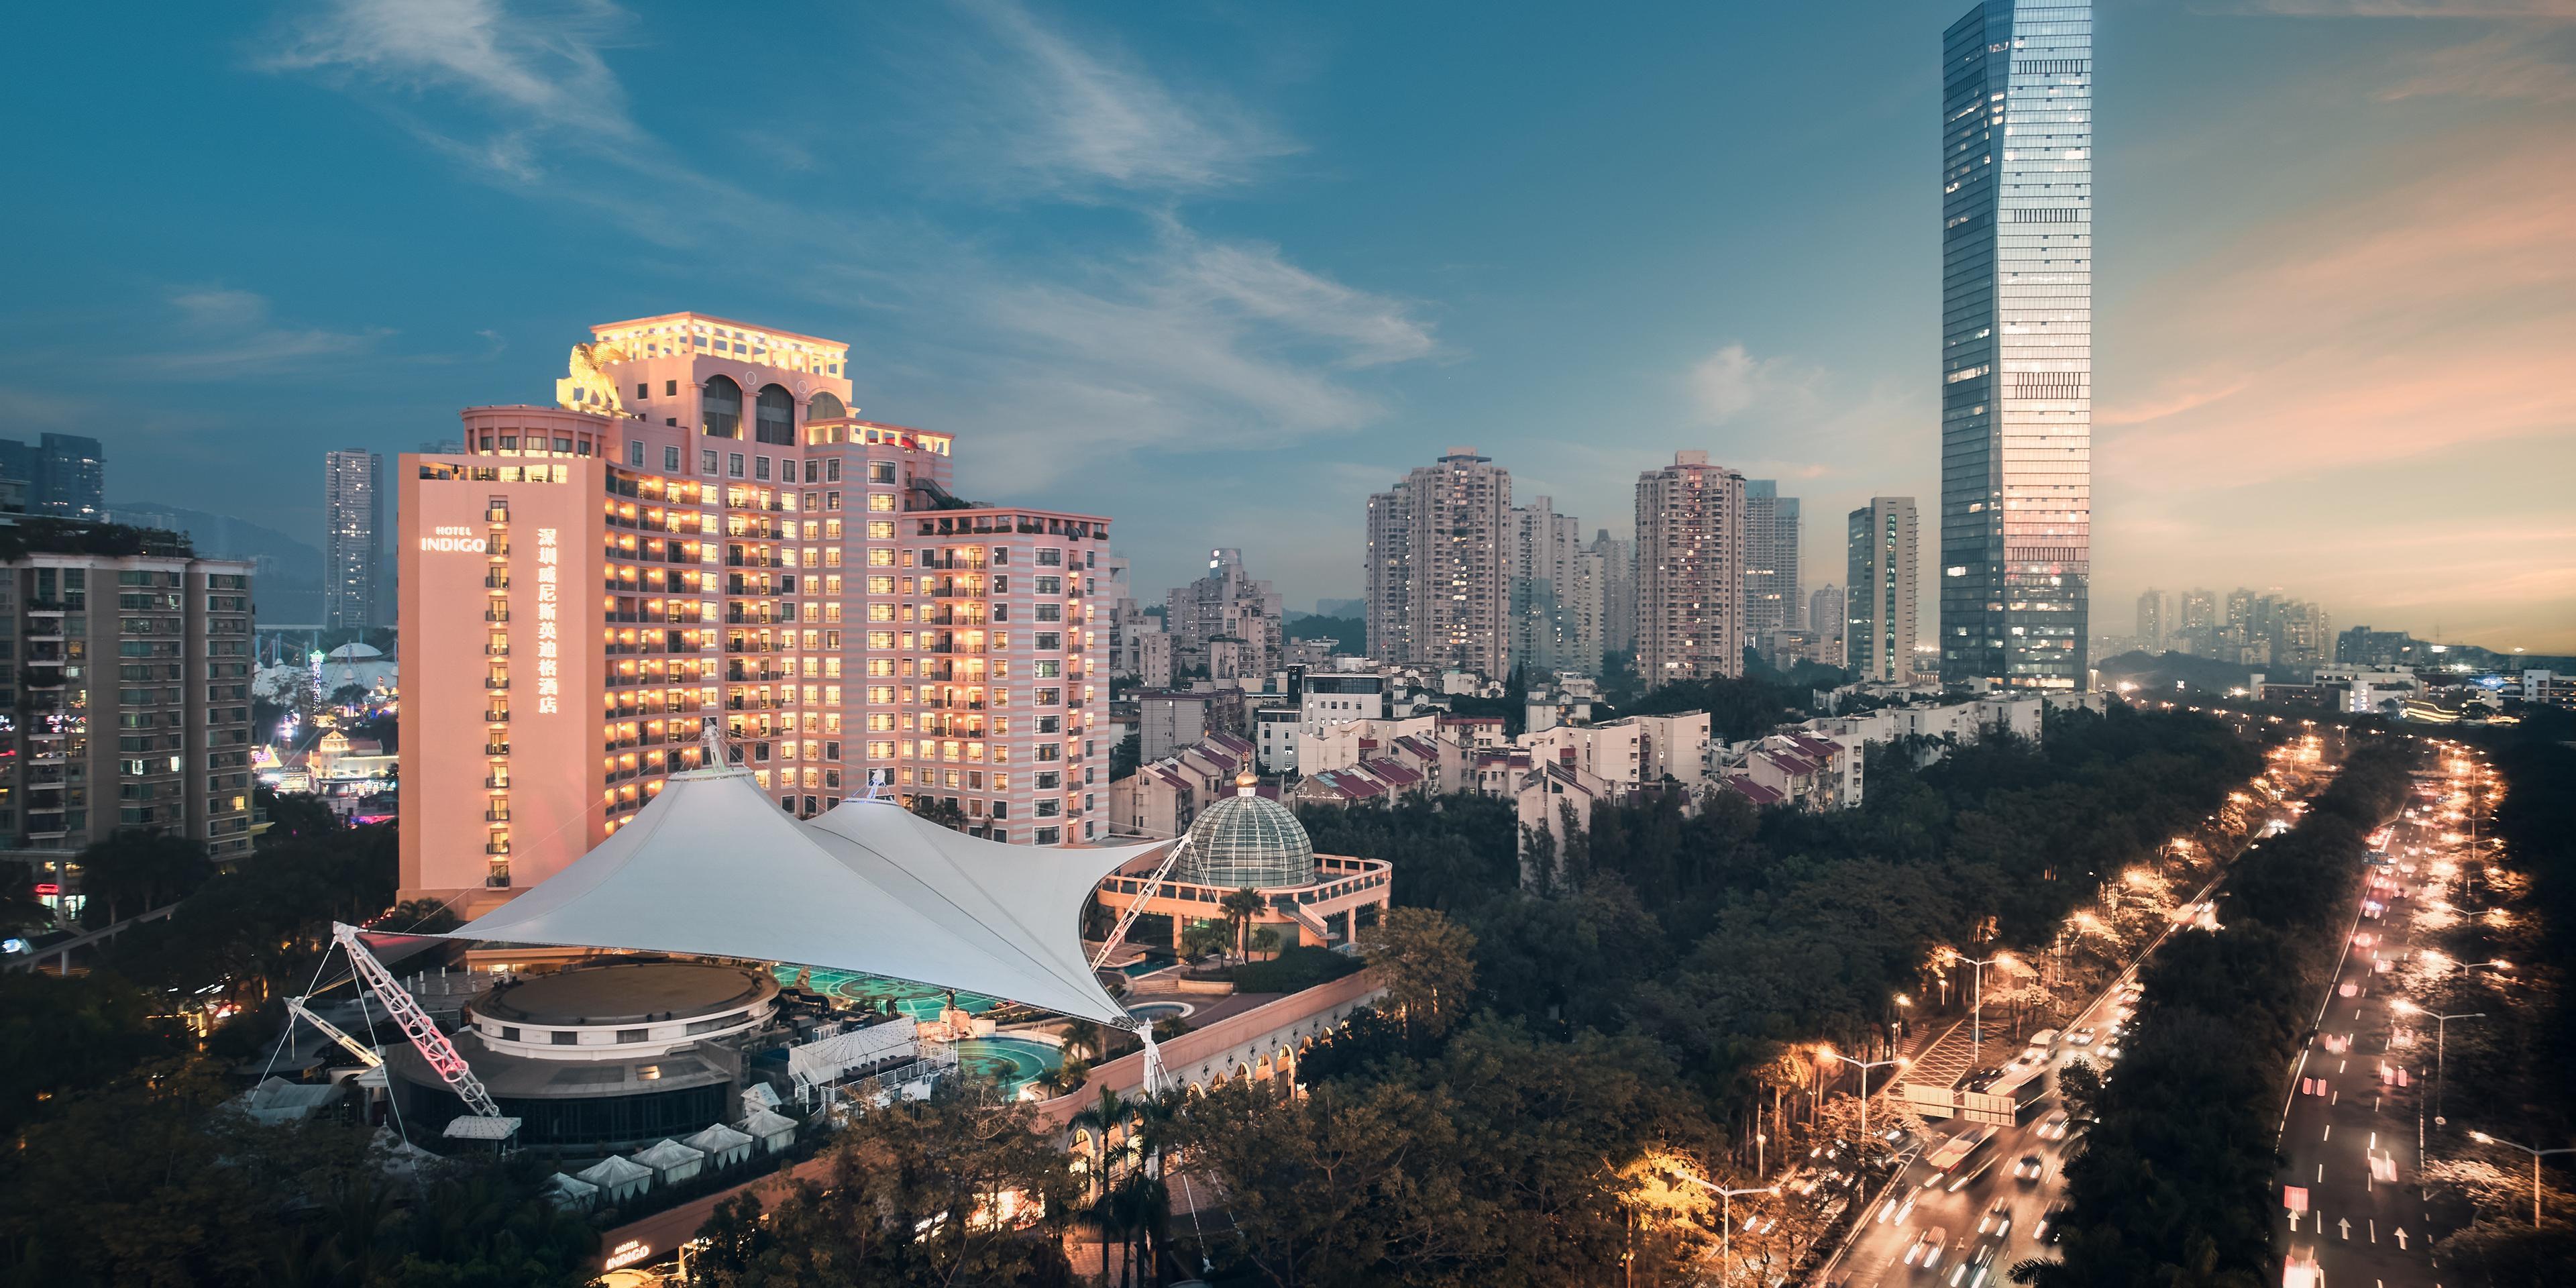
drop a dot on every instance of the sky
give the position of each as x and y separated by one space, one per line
1220 270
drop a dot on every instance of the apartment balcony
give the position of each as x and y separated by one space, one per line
496 749
496 581
496 715
496 780
496 614
497 514
496 682
497 881
496 650
498 849
496 816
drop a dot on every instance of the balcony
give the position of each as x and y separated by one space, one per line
496 581
496 715
496 749
500 849
496 614
496 682
497 881
496 816
497 514
496 650
496 780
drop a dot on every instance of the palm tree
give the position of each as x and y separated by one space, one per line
1239 908
1111 1112
1085 1036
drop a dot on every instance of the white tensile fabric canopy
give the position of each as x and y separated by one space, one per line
713 868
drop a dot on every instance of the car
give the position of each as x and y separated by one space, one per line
2081 1037
1971 1272
2029 1169
1895 1210
2051 1224
2044 1038
1926 1248
2111 1051
1998 1219
2053 1127
1966 1178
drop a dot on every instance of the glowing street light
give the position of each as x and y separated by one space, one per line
1864 1066
1977 1008
2441 1029
1726 1217
2485 1139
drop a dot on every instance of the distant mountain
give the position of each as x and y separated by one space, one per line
287 574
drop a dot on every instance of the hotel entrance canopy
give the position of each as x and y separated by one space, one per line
711 867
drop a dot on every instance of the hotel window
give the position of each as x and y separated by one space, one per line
733 465
760 468
670 388
880 471
706 460
774 417
881 502
671 460
635 452
721 407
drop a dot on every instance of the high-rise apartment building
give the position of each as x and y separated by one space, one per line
353 511
1226 605
1771 598
2199 610
702 534
1439 566
1880 606
2016 354
65 475
1690 571
129 676
2151 619
1556 594
1825 618
1618 592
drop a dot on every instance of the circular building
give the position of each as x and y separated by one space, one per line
601 1057
1248 841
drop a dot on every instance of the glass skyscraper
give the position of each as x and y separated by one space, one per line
2016 343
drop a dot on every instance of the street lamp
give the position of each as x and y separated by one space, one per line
1977 1008
2485 1139
1864 1066
1726 1219
2441 1029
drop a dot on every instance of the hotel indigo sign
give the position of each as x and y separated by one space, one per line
461 541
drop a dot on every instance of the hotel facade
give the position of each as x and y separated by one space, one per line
703 532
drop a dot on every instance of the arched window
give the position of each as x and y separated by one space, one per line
776 417
721 407
825 406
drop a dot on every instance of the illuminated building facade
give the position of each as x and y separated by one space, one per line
124 699
353 512
702 531
2017 336
1690 571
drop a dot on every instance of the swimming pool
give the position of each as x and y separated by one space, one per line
1012 1062
917 1001
1146 966
1160 1010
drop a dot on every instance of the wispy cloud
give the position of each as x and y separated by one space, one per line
224 334
2545 9
1068 118
1732 382
1168 337
2506 66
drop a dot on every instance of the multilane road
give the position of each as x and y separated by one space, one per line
2350 1194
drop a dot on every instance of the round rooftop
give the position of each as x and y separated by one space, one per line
1245 840
626 993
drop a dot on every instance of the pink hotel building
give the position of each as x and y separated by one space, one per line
702 530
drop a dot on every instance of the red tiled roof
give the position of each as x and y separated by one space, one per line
1352 783
1753 791
1418 747
1390 772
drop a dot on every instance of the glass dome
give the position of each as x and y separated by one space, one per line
1246 840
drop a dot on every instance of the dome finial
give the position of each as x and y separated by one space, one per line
1247 784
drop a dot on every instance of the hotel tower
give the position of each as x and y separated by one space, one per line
702 531
2016 343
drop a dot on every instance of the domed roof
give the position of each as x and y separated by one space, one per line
1246 840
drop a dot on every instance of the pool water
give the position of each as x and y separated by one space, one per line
915 1001
1012 1062
1146 966
1159 1010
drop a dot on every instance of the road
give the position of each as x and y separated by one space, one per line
2351 1130
1894 1226
1878 1255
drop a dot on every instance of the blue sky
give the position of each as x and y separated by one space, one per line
1219 270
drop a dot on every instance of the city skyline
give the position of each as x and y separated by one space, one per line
1148 233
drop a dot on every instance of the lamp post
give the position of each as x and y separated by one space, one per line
2485 1139
1977 1008
1726 1220
2441 1031
1864 1066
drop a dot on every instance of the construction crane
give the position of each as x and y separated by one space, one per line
433 1045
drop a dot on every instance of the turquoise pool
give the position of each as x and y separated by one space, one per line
919 1001
1012 1062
